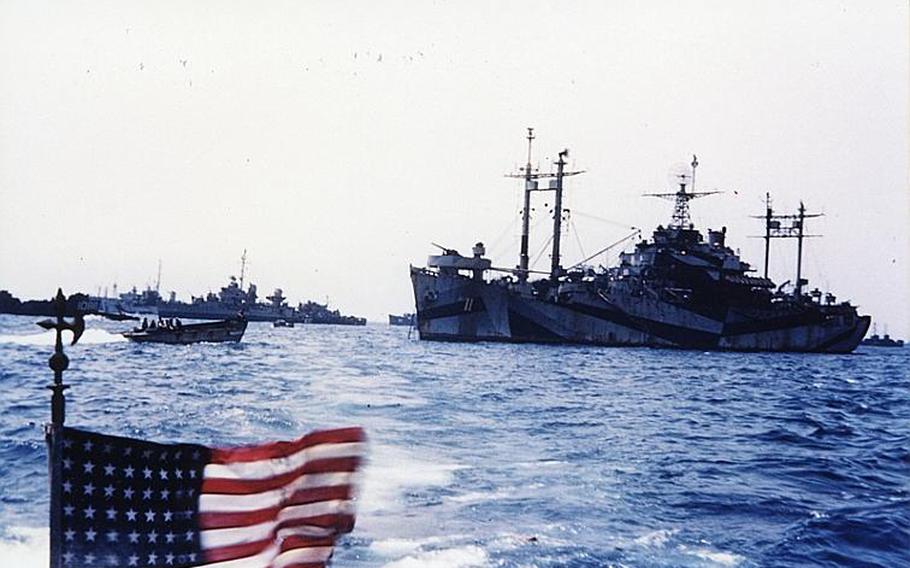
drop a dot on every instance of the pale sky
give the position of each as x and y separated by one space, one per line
335 140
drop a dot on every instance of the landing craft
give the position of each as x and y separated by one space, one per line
676 290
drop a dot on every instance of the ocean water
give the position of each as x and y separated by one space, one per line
511 455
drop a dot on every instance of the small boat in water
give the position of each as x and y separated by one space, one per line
403 319
116 316
177 333
282 323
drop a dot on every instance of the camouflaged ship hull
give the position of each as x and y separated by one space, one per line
460 308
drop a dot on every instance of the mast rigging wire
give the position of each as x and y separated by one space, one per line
603 220
577 237
542 250
607 248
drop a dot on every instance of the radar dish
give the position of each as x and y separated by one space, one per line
679 174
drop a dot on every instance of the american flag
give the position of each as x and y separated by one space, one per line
130 502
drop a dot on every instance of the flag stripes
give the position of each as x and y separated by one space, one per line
130 502
301 491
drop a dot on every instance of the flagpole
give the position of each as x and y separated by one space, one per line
58 362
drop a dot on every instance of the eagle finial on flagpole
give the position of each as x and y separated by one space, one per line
58 363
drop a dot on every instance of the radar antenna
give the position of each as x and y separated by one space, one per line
682 175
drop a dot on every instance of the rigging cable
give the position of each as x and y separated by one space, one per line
607 248
499 239
542 250
495 253
609 221
577 237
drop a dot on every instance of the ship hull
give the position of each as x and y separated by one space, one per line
458 308
217 332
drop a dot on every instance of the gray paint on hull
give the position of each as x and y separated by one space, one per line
605 324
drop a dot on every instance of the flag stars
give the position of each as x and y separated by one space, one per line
67 443
127 451
89 558
67 463
113 536
153 537
163 474
134 537
168 515
153 559
68 510
165 494
111 514
109 491
146 454
133 560
108 448
169 537
68 557
169 559
112 560
69 534
89 512
128 493
178 473
150 516
147 494
88 467
88 489
131 515
147 473
128 471
88 445
90 535
109 469
189 536
67 487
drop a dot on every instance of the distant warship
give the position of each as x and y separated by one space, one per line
230 301
876 340
676 290
403 319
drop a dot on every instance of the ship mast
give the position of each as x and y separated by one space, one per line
681 217
531 178
555 268
768 214
530 185
242 267
774 229
158 281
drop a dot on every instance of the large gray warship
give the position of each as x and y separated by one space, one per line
676 290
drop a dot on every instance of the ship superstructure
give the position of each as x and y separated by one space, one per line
678 289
